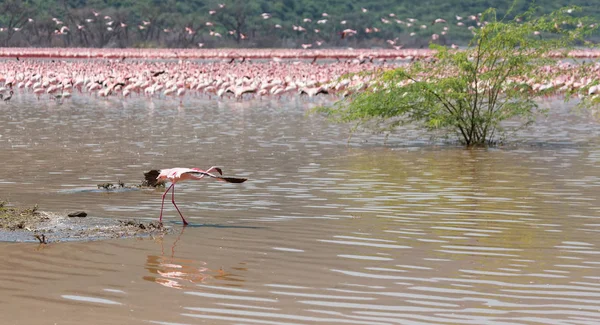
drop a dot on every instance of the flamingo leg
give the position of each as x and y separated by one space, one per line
185 223
162 205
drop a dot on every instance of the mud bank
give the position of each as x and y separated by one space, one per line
31 225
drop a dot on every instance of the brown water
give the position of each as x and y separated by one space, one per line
322 233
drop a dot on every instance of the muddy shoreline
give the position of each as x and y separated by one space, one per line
32 225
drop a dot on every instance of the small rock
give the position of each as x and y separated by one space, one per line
78 214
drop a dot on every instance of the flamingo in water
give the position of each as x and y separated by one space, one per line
175 175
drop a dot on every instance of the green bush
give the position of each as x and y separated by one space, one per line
470 92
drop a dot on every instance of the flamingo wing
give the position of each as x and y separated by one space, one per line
217 168
175 174
218 177
232 179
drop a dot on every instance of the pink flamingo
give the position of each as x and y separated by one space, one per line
175 175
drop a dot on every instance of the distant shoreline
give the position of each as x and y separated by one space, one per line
236 53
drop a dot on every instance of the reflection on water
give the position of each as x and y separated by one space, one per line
168 271
173 272
322 232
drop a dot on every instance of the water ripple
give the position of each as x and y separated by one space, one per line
323 232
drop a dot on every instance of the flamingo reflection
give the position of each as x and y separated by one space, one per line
174 272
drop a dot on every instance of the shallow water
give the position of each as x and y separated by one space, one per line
322 233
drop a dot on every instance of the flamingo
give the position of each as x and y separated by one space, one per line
348 32
240 91
38 91
311 92
175 175
180 94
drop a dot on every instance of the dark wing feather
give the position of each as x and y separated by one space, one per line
233 179
221 178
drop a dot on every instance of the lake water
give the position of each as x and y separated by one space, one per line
322 232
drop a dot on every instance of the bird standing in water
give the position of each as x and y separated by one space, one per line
175 175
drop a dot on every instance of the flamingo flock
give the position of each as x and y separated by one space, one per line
255 54
236 78
211 54
238 74
581 80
